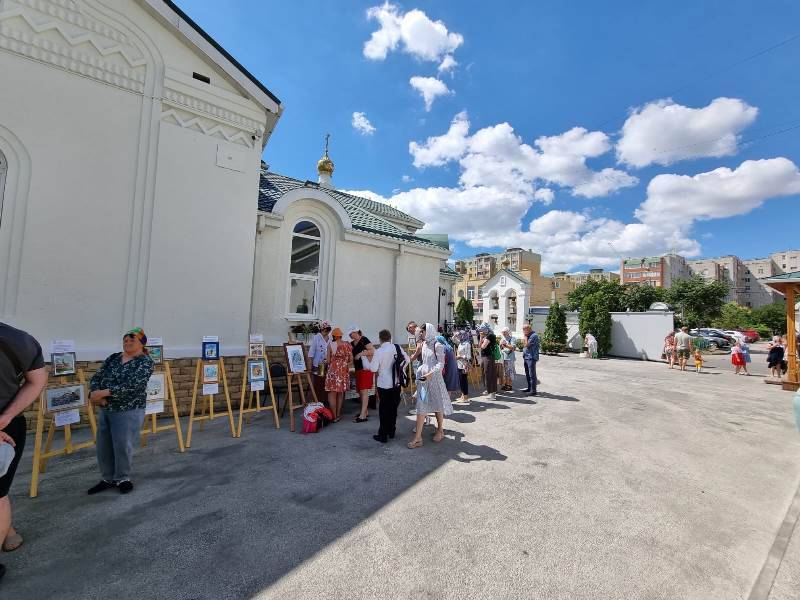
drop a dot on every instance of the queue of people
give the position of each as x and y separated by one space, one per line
439 366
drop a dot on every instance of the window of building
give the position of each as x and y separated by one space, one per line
480 291
304 270
460 293
470 292
760 270
502 281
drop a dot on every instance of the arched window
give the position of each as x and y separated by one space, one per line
460 293
3 171
304 270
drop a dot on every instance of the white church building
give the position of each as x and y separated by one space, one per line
132 192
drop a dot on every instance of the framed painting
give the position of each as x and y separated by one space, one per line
156 354
256 370
65 397
211 373
256 350
210 350
295 357
63 363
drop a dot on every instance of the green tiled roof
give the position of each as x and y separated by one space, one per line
366 215
448 272
793 276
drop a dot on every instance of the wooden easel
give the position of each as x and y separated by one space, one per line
211 415
290 378
257 393
42 455
151 425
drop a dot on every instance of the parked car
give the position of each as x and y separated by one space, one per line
751 335
714 342
737 335
719 333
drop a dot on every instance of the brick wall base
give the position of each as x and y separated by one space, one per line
183 374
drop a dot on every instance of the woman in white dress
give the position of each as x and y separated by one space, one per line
432 396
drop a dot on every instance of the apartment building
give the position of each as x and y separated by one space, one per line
787 261
656 271
477 270
756 293
591 275
742 276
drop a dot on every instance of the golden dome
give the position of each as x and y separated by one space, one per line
325 165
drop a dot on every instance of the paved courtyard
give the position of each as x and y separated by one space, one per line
621 480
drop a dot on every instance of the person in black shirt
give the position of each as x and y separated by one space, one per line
22 379
488 364
364 377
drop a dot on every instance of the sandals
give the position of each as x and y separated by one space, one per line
414 444
12 542
440 437
360 420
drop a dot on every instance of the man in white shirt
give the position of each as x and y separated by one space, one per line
388 385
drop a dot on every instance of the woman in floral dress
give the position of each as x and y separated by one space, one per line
340 356
432 396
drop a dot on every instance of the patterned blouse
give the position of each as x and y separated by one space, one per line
127 382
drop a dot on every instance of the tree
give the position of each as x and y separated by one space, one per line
595 318
465 312
638 298
611 291
555 329
733 316
698 301
771 315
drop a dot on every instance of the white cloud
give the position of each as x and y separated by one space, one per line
497 156
664 132
407 179
429 88
491 215
438 150
361 124
448 64
719 193
544 195
413 33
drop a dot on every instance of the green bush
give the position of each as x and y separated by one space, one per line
595 318
555 330
551 347
762 330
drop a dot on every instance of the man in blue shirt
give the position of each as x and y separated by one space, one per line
530 355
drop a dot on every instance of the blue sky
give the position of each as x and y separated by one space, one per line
681 145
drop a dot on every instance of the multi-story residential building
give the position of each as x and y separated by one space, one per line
759 294
478 269
787 261
591 275
656 271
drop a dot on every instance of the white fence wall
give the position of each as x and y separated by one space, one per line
633 335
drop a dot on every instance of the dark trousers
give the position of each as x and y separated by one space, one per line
387 410
463 382
16 429
489 374
530 374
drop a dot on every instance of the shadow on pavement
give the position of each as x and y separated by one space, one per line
227 519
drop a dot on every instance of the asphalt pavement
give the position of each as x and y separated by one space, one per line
622 479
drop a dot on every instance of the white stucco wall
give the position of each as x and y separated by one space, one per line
633 335
640 335
370 282
127 218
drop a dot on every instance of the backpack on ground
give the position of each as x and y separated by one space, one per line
399 374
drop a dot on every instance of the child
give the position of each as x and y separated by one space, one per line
698 361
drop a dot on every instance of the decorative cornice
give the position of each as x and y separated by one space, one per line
206 126
85 46
207 109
